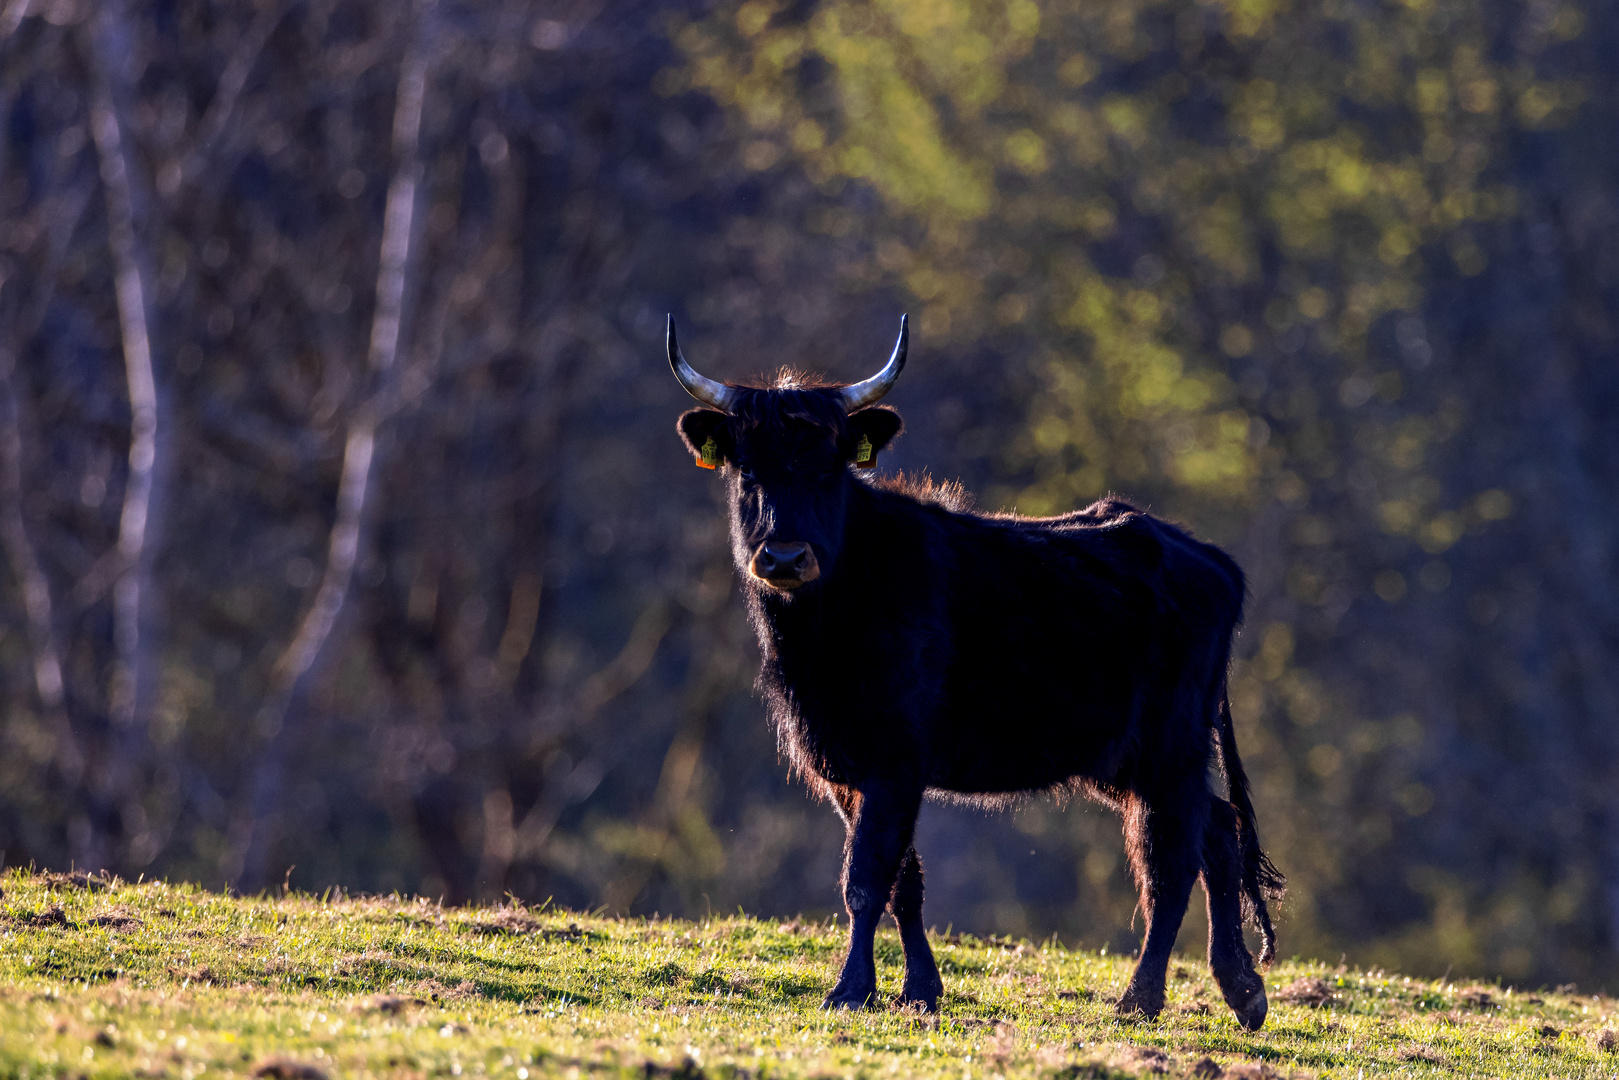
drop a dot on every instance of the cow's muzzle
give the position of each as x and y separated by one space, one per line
784 565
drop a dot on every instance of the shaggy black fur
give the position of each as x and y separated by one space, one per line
984 656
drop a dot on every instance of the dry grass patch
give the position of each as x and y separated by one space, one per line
117 917
1312 992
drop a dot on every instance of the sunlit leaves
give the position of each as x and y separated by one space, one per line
1031 130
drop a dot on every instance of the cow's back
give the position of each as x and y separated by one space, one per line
1075 640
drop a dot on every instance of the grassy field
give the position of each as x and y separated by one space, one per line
110 979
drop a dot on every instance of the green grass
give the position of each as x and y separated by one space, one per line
113 979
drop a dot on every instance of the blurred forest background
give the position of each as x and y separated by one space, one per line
346 530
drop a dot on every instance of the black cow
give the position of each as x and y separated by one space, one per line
912 646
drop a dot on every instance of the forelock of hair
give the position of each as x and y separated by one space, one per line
774 407
792 379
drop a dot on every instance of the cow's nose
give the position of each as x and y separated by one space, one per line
784 565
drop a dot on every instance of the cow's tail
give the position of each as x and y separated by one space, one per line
1260 878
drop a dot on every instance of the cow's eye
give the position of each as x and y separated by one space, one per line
746 473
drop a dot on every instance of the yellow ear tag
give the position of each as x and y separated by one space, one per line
864 456
710 458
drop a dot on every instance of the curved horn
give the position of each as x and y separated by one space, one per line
871 390
701 387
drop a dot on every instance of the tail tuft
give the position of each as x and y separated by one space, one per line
1261 880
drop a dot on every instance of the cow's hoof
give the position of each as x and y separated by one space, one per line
849 997
1252 1014
911 999
1136 1003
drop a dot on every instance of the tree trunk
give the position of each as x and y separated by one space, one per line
133 682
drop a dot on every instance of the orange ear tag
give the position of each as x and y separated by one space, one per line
710 457
864 456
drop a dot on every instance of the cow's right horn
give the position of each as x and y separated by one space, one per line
870 390
701 387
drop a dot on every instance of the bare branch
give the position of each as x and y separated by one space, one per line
61 216
12 17
359 449
613 679
222 108
628 666
36 589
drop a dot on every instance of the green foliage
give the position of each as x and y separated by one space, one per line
1151 189
101 978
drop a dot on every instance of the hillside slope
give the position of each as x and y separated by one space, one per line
111 979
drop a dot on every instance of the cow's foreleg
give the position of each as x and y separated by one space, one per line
922 983
1229 959
1165 842
879 834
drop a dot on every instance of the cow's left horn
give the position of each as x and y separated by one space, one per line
701 387
871 390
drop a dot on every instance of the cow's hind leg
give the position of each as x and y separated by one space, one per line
922 983
879 836
1165 841
1229 959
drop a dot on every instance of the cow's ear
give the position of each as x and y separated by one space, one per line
869 431
705 436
